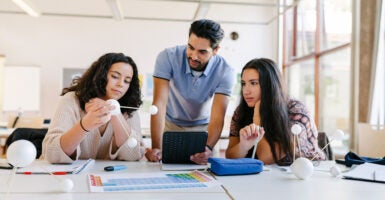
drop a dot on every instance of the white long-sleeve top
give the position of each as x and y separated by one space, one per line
95 145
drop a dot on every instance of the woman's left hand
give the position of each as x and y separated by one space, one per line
249 134
97 113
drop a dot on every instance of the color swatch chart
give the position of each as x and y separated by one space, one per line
151 181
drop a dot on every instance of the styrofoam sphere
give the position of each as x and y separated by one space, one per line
132 142
21 153
116 110
66 185
302 168
153 110
296 129
338 134
335 171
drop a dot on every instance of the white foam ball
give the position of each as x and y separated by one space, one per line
116 104
153 110
302 168
296 129
66 185
335 171
132 142
21 153
338 134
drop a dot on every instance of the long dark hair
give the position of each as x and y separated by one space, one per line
273 108
93 82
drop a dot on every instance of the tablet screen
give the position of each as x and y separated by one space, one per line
178 146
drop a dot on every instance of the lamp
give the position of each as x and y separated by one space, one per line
28 7
116 9
202 10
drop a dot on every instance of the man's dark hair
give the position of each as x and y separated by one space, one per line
205 28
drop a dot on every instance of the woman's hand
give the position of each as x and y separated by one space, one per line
97 113
248 135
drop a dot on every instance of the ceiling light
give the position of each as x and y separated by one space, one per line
28 7
116 9
202 11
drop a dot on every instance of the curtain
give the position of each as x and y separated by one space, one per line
377 88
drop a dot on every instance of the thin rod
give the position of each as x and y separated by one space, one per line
129 107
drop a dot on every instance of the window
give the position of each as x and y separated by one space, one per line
316 60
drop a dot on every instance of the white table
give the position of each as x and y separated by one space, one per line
42 187
273 184
277 184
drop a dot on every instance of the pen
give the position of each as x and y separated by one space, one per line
6 167
54 173
115 168
374 175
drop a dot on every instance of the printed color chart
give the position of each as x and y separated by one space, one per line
131 182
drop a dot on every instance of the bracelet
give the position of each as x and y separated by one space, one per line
211 149
81 125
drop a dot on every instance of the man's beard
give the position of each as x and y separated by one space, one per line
199 67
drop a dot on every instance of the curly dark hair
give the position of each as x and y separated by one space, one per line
93 82
205 28
273 108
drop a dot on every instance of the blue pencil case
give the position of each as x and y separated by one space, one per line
239 166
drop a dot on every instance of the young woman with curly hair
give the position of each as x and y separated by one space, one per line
82 126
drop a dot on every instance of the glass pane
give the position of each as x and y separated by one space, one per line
337 23
300 83
335 94
300 42
289 34
306 26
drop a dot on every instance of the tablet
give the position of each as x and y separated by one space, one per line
178 146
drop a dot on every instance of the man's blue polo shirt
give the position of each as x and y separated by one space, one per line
190 98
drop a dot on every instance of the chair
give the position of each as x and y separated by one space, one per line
33 135
323 140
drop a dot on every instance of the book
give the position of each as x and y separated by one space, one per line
366 172
129 182
44 167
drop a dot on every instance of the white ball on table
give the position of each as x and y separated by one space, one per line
21 153
335 171
66 185
116 104
302 168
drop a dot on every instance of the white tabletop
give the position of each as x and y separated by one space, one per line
272 184
278 184
46 186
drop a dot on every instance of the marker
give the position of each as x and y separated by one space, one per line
115 168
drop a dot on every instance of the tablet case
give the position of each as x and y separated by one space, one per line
239 166
178 146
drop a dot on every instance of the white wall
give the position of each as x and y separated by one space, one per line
54 43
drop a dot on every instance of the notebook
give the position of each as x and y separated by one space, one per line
43 167
178 146
366 172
